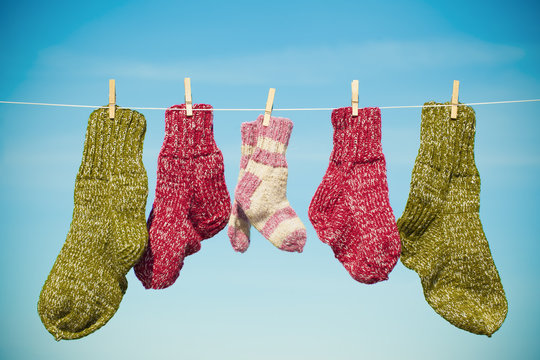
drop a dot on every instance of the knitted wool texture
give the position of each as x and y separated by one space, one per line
239 225
442 236
350 210
108 231
192 202
262 191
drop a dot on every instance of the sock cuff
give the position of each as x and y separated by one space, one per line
249 140
128 154
467 165
112 144
249 133
356 139
440 137
277 132
188 136
272 141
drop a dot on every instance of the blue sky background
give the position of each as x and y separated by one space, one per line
268 304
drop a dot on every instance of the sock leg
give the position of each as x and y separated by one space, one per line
211 205
437 157
129 192
326 205
239 225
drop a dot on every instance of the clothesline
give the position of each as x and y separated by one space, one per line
292 109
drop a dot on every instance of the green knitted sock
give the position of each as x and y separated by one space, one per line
106 237
430 182
457 272
128 192
466 288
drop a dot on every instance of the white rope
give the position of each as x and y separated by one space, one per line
45 104
295 109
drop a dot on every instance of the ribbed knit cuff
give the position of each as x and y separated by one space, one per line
109 142
466 164
274 137
249 140
188 136
249 133
131 129
440 137
356 139
272 141
97 152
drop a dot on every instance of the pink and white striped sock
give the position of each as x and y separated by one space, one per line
262 190
239 225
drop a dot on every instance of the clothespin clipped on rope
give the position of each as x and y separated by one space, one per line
455 93
269 106
187 97
112 98
354 102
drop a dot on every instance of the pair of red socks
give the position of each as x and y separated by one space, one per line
191 203
350 210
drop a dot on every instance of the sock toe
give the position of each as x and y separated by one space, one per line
77 309
295 241
365 272
467 310
239 240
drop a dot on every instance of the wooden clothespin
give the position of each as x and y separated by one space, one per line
112 98
189 102
269 106
354 88
455 92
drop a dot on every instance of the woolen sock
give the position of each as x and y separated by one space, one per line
191 201
438 156
211 204
129 192
107 234
350 210
262 191
452 255
239 225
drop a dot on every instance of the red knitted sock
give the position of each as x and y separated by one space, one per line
176 225
350 210
211 206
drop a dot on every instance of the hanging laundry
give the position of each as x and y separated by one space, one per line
192 202
108 231
261 192
350 210
442 236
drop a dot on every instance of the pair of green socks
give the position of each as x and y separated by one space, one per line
108 232
441 233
